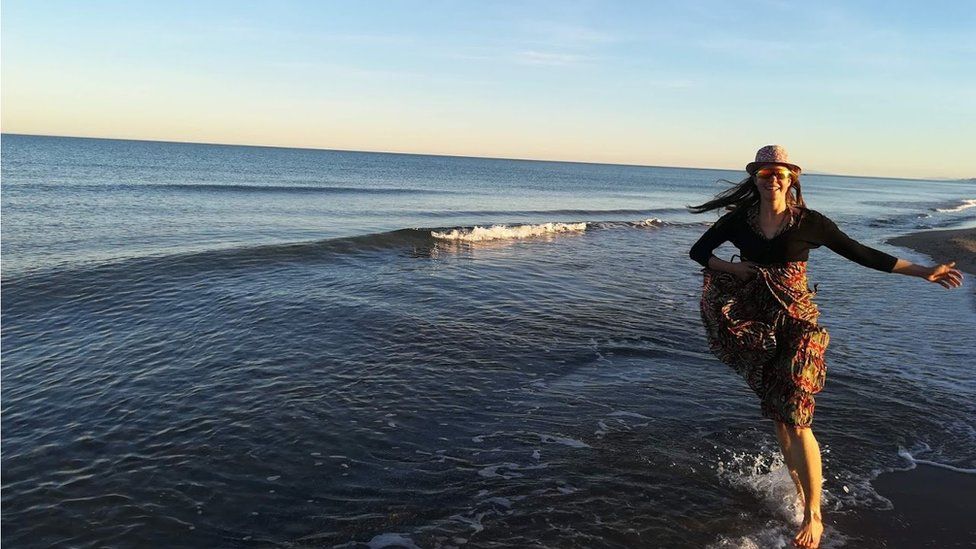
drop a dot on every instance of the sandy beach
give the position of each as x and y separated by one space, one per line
932 508
957 245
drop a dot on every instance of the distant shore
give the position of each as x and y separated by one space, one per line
957 245
486 156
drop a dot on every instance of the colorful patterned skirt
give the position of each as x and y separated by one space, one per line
766 330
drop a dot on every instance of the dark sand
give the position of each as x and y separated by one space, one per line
933 507
957 245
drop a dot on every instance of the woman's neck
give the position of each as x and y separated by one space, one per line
773 208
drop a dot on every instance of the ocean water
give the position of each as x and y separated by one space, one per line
240 346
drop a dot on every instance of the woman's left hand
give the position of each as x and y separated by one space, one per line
945 275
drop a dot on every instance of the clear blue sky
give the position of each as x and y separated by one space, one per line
870 88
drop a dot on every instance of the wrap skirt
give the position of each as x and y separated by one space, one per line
766 330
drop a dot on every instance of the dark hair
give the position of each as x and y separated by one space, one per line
745 194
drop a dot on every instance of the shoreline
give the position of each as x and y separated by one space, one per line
957 245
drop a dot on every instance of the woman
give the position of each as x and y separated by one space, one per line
759 314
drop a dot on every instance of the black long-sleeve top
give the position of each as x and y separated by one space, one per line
807 229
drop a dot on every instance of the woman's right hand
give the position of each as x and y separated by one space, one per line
745 270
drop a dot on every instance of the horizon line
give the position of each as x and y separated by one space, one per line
820 174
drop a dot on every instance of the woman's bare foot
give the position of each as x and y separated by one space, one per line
810 532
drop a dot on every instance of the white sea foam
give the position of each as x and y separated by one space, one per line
765 475
966 204
913 461
507 232
642 223
650 222
767 537
773 535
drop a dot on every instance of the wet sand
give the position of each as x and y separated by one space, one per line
957 245
932 508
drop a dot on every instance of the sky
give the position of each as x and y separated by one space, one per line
860 88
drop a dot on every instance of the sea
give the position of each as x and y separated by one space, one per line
236 346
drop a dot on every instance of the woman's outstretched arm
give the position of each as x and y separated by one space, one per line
836 240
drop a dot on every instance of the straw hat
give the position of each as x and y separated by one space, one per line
772 154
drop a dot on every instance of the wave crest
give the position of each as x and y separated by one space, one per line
964 205
507 232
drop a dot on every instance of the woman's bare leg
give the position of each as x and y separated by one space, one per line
806 456
785 444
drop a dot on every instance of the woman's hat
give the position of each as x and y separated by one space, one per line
771 154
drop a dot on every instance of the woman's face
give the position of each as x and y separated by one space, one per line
773 182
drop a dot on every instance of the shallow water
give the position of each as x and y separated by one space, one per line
204 366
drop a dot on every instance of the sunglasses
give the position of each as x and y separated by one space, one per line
767 173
